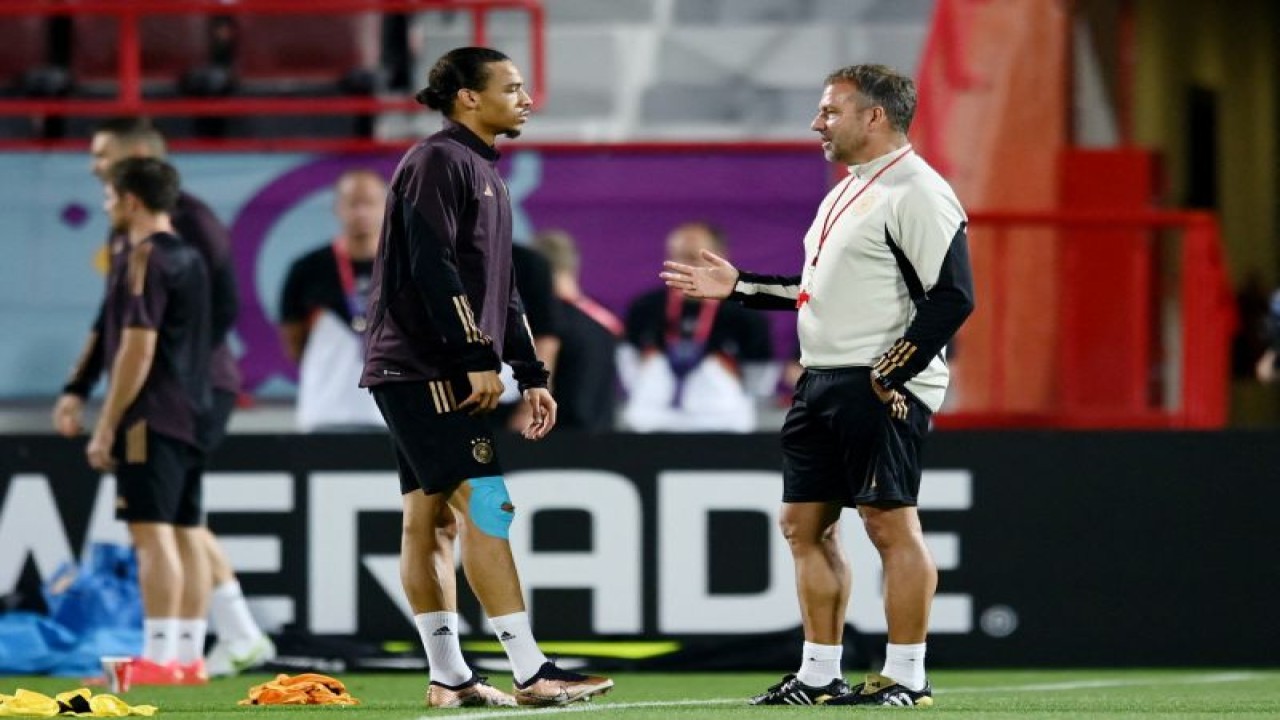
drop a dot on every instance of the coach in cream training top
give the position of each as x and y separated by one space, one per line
886 277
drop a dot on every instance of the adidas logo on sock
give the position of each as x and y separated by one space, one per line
442 632
505 636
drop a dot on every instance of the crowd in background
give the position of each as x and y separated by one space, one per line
672 364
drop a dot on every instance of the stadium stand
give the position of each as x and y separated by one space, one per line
24 70
171 46
690 68
23 47
277 53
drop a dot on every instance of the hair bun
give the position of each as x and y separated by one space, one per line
430 97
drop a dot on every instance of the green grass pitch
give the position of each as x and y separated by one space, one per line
989 695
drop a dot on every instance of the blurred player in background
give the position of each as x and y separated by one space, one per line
585 374
535 285
886 284
444 314
241 643
155 339
323 307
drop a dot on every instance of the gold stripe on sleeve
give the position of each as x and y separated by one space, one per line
465 317
896 358
471 316
139 258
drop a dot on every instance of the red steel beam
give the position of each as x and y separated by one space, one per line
130 62
363 145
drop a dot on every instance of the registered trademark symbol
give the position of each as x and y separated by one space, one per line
999 621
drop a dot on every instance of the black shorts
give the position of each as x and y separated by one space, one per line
156 479
437 446
840 443
213 426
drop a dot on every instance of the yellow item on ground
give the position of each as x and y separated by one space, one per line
79 703
304 689
25 703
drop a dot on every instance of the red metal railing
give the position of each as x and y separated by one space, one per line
130 101
356 145
1192 379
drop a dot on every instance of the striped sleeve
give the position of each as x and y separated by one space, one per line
148 293
766 292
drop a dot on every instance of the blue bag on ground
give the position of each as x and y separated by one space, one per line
95 609
32 644
102 593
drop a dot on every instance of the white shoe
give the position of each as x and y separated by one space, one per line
227 659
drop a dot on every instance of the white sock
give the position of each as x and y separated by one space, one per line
230 613
160 640
439 632
516 636
191 634
905 665
820 665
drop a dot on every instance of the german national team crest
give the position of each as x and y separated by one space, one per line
865 203
482 450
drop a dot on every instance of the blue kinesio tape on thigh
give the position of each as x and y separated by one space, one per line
491 508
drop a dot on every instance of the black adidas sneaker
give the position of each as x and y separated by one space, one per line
793 692
880 690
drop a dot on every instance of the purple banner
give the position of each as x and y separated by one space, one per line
619 206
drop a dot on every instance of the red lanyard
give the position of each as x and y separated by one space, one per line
356 304
598 313
829 222
346 275
675 312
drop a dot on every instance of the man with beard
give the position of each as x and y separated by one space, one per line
885 285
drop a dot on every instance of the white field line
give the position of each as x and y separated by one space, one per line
1035 687
588 707
1091 684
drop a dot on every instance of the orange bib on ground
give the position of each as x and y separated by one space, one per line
304 689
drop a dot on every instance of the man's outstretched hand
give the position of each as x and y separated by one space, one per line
713 281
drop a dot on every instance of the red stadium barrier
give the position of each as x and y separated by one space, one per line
943 74
1182 342
130 101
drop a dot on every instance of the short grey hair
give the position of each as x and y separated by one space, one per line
882 86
